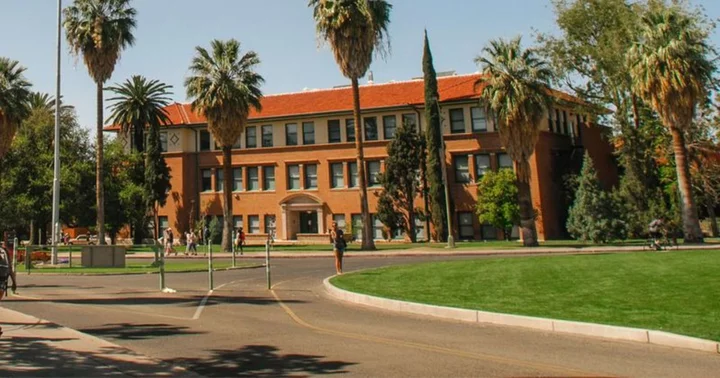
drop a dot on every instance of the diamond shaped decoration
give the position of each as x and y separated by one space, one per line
174 139
123 142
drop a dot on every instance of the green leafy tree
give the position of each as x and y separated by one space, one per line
224 87
594 214
14 96
216 230
434 142
515 88
118 178
355 30
157 176
401 181
497 201
672 70
99 30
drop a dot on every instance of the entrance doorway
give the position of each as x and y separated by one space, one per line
308 222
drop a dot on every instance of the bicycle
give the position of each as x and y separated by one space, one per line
662 243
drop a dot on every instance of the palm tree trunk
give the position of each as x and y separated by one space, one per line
100 188
713 221
691 222
527 213
367 241
138 136
227 194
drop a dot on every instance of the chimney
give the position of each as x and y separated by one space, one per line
370 78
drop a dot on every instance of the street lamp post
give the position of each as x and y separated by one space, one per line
443 167
55 226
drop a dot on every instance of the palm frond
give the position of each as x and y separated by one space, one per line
14 96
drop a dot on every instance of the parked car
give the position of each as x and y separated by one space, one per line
83 239
94 240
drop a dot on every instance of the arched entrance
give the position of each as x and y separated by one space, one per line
302 214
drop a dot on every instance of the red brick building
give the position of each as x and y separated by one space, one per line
294 169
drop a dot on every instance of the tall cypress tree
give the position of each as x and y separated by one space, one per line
157 175
434 146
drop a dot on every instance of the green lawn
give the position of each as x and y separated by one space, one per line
677 291
134 267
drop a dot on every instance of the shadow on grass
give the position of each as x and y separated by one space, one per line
261 361
130 331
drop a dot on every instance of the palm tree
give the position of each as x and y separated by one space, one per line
139 103
99 30
14 95
671 72
44 102
225 87
355 29
515 89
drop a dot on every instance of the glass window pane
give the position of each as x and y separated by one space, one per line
308 133
373 168
504 161
270 224
237 180
311 176
334 135
340 220
254 224
291 134
267 136
293 177
482 165
371 132
268 178
489 232
419 229
204 140
479 120
253 183
389 126
462 171
219 182
350 129
377 228
353 182
337 175
457 121
251 137
410 119
465 222
357 226
164 141
237 222
206 184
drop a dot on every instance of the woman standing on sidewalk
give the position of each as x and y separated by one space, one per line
337 238
6 272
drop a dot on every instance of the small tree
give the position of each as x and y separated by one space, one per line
594 214
497 201
401 181
216 231
157 176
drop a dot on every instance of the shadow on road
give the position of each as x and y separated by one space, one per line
186 301
130 331
260 361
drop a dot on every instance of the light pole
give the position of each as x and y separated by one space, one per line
443 167
55 226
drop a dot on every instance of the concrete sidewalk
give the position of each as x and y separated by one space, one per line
428 251
32 347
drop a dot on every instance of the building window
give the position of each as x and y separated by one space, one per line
293 177
252 175
465 225
206 184
253 224
357 226
334 135
371 132
269 178
238 143
550 120
163 141
482 165
337 175
291 138
479 119
377 227
339 219
164 223
267 136
488 232
270 225
557 121
389 126
219 180
565 122
311 181
457 121
237 179
204 140
462 171
373 173
251 137
419 229
504 161
237 222
350 129
353 182
410 119
308 133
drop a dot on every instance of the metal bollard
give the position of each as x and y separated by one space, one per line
210 267
233 250
16 248
28 259
267 263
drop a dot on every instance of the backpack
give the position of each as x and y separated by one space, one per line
340 239
4 265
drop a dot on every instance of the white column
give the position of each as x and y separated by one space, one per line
321 220
285 223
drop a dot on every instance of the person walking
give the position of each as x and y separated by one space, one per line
337 238
239 240
6 273
192 243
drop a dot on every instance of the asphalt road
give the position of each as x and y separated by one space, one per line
296 330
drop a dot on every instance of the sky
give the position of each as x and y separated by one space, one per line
282 32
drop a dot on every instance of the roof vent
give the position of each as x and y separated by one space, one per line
371 78
446 73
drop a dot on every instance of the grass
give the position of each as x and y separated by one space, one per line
675 292
133 267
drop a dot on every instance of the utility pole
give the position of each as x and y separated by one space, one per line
55 226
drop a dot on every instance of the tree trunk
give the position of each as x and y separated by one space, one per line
411 223
636 115
99 187
139 136
713 221
227 203
32 232
691 222
527 212
367 242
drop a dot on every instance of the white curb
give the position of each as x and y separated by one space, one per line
543 324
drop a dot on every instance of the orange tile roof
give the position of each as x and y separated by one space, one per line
372 96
